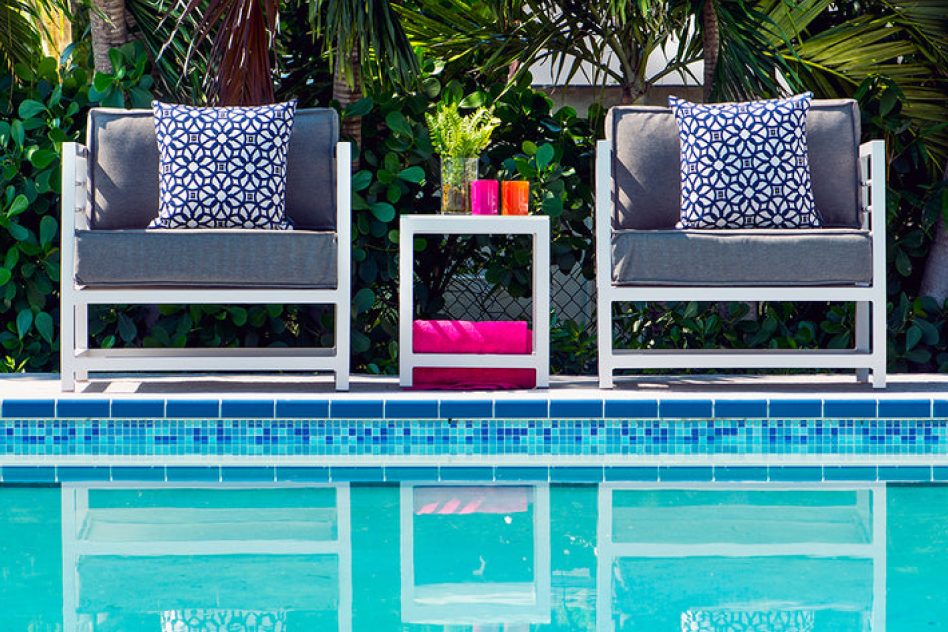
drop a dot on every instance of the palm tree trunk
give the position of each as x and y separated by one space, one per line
108 33
711 37
935 279
349 90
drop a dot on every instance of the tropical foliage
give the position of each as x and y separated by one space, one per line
39 110
890 56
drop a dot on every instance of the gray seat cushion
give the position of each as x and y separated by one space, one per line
646 190
206 258
123 169
804 257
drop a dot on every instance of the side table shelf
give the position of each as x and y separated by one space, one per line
538 226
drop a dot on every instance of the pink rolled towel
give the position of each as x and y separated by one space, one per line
461 336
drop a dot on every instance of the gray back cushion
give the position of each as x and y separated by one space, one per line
646 188
123 169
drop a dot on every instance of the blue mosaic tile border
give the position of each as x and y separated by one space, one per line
314 438
433 406
41 474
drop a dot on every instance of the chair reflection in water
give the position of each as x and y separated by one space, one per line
266 558
475 555
737 558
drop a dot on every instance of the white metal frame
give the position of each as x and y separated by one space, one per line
870 345
538 226
608 551
77 359
75 505
484 611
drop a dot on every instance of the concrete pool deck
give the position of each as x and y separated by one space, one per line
825 386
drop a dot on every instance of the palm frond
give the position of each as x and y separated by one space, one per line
20 40
367 25
239 62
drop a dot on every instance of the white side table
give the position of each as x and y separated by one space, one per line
536 225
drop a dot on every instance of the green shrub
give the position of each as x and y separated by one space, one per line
39 110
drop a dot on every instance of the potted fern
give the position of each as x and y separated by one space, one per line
459 140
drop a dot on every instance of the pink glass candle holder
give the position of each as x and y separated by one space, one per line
516 197
485 197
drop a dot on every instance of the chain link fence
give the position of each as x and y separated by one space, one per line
471 297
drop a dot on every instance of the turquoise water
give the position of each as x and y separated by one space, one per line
474 558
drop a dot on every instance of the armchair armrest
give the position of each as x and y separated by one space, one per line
872 165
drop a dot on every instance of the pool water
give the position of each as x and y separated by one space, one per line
430 557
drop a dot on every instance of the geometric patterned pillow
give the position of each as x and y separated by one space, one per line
745 165
222 167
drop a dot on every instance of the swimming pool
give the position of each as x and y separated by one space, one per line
474 556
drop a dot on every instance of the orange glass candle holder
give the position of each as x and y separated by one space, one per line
515 197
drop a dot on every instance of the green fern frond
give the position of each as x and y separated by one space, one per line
461 136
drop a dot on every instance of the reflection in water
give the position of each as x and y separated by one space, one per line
203 620
473 558
475 555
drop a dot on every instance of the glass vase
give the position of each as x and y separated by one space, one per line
457 173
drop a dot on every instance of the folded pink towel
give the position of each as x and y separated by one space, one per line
461 336
471 379
464 336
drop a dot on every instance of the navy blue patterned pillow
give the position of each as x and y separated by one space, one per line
222 167
745 165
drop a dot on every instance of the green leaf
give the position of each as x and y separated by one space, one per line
48 228
431 87
18 133
397 122
361 180
360 342
415 175
902 263
529 148
18 232
30 108
912 337
545 155
238 315
113 99
552 206
117 58
5 276
919 356
24 320
19 205
364 300
140 97
473 100
102 82
360 108
44 325
383 211
126 328
42 158
385 176
929 331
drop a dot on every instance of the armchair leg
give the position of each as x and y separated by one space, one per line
82 336
879 342
862 335
67 347
605 378
604 336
